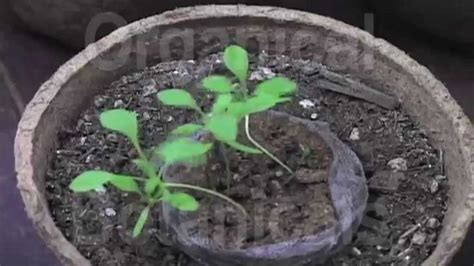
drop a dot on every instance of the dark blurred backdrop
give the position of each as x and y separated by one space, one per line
39 35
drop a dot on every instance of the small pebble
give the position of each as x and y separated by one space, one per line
169 119
434 186
386 180
262 73
236 178
310 69
111 137
118 104
356 252
314 116
402 241
279 173
89 158
355 134
101 190
109 212
275 186
440 178
306 103
432 223
83 140
310 176
257 193
150 89
398 164
146 116
99 101
418 238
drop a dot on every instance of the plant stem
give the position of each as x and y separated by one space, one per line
210 192
273 157
141 154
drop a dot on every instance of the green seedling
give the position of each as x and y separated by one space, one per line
152 188
233 103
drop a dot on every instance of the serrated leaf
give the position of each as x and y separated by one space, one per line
90 180
146 167
277 87
241 147
221 103
182 149
224 127
142 219
186 130
237 61
219 84
177 97
125 183
122 121
182 201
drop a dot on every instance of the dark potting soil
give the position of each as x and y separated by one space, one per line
280 206
408 194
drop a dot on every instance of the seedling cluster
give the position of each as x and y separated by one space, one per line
234 104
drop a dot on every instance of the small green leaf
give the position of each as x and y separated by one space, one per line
260 103
197 161
182 149
137 230
186 130
125 183
237 61
277 87
146 167
152 185
90 180
219 84
177 97
224 127
182 201
122 121
221 103
237 109
241 147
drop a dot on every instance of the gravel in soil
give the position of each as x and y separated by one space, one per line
408 193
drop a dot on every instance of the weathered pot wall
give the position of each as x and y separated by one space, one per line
189 32
67 20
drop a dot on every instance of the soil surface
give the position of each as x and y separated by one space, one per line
407 189
280 206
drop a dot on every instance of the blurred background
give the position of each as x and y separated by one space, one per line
37 36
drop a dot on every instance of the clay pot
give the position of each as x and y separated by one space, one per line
68 20
447 20
189 32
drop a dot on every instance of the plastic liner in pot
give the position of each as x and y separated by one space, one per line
348 192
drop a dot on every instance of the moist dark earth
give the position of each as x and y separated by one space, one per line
408 192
